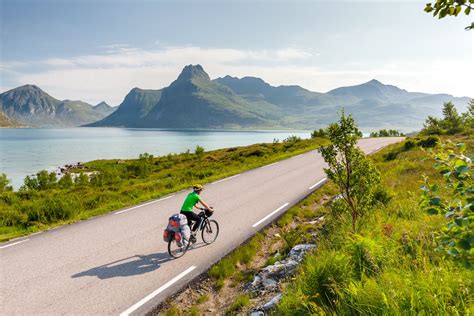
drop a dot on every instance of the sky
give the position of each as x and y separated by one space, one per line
99 50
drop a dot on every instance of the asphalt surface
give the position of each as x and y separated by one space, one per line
118 263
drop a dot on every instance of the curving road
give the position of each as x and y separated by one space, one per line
118 264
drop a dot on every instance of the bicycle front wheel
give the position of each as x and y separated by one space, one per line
210 231
175 250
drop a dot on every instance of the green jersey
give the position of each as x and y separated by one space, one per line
190 201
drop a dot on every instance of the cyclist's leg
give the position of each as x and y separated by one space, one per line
192 217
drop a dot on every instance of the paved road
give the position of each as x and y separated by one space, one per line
118 263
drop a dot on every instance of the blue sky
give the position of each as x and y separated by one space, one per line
99 50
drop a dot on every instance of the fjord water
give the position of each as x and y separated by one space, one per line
25 151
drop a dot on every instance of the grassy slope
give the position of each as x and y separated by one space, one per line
126 182
389 267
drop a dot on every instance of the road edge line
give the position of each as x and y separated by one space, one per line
270 215
14 243
150 296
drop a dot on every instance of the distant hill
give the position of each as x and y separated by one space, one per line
29 105
373 104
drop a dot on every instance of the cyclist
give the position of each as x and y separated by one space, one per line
187 209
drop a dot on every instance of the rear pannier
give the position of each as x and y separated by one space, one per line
177 228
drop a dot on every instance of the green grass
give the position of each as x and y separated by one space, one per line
390 266
122 183
240 302
242 255
202 299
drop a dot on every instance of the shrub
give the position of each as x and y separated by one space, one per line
5 184
429 142
409 144
199 151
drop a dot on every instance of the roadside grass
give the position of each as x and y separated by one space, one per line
240 302
116 184
390 265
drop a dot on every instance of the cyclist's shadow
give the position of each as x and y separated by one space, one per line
134 265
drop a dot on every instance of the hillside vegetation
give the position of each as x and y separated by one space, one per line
412 251
105 185
409 253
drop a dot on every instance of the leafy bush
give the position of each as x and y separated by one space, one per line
199 151
5 184
457 239
409 144
429 142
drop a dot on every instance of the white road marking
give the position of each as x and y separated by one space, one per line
156 292
317 183
132 208
226 179
269 215
268 165
15 243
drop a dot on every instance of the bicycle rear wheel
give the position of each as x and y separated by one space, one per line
175 250
210 231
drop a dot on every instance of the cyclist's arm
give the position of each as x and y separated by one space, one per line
203 204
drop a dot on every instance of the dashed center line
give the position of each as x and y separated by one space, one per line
14 243
225 179
138 206
269 215
318 183
157 291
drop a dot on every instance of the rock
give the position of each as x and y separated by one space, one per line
298 251
267 279
269 284
317 221
257 313
273 302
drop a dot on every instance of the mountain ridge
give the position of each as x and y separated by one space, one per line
30 105
193 100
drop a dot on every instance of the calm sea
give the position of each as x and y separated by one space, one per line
25 151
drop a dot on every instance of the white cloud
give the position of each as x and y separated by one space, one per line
109 76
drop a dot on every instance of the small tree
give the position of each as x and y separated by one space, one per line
452 121
457 239
348 167
5 184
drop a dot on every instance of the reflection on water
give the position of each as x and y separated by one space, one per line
25 151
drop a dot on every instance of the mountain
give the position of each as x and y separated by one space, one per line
191 101
130 113
104 108
194 101
29 105
373 104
